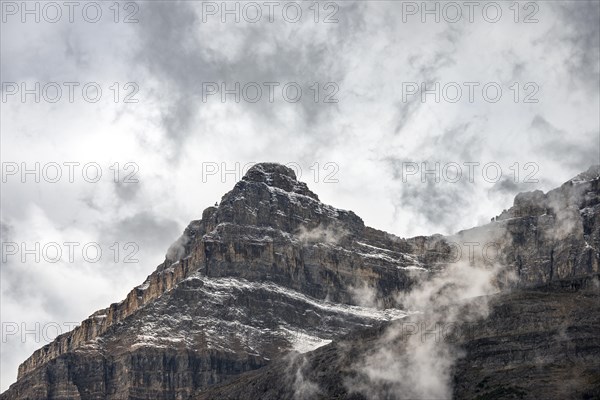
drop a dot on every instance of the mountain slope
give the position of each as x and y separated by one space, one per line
535 344
272 269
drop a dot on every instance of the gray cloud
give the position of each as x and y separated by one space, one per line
144 227
419 366
126 191
173 48
582 37
570 149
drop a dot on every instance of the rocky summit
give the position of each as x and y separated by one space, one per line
275 295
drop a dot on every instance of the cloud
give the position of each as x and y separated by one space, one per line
303 388
578 154
331 234
177 250
126 191
414 358
364 296
581 34
145 227
173 48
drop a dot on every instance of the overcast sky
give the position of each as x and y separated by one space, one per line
360 122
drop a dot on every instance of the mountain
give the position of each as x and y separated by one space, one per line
272 273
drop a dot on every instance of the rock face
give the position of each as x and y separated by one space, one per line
536 344
272 269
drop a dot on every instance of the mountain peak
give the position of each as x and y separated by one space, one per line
278 176
264 171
